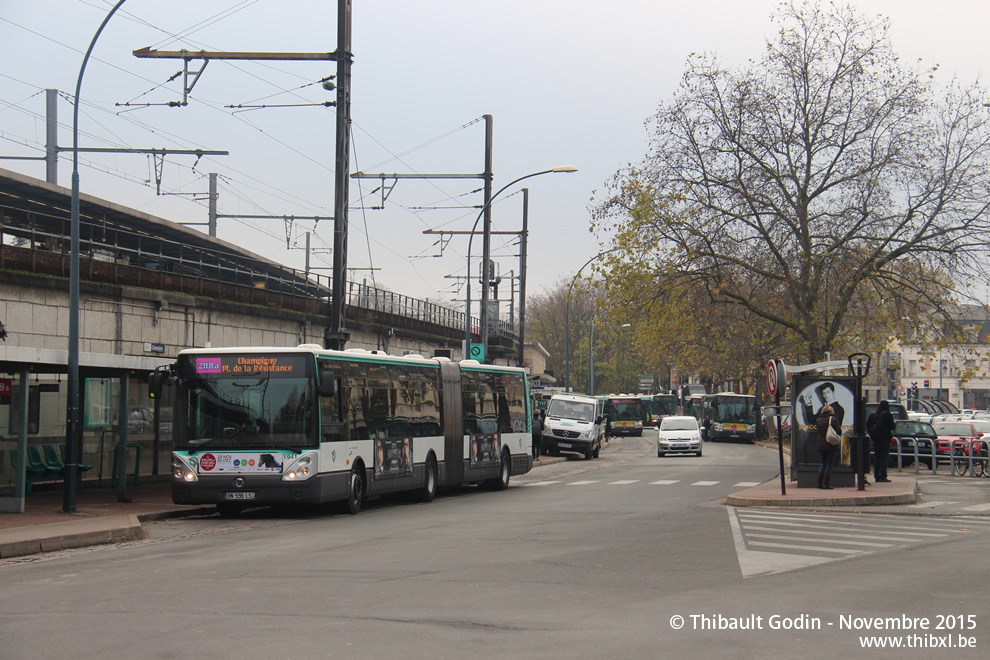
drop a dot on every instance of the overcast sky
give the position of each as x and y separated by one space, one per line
567 82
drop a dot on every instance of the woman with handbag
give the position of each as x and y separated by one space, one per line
829 436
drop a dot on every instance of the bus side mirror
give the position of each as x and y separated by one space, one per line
598 420
328 386
156 382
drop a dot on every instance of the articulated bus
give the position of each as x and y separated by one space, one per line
263 426
731 416
659 406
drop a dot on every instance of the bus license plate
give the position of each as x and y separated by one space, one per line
238 496
565 445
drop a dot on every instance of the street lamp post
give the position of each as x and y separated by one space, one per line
567 321
481 213
72 438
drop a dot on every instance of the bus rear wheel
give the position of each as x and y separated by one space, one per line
355 492
502 481
429 489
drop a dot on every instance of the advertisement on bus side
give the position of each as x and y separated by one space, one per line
393 457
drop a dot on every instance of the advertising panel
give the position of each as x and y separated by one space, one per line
485 449
239 463
812 393
393 457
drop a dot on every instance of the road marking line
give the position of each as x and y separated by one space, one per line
819 533
542 483
704 483
582 483
814 548
929 505
756 562
664 482
820 540
976 507
837 525
746 484
624 482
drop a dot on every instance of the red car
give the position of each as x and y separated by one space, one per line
958 435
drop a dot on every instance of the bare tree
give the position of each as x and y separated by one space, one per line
822 184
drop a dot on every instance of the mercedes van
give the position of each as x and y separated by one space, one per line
574 423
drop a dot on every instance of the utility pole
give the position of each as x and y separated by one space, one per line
52 149
487 238
523 240
335 336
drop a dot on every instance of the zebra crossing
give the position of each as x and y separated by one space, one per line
629 482
772 541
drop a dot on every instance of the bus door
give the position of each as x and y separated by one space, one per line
452 469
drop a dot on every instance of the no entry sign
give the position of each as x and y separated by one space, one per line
773 377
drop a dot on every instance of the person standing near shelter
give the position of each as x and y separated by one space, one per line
826 451
880 425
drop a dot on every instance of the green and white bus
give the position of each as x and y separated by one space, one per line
659 406
731 416
264 426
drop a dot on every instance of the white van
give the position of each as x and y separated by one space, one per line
574 423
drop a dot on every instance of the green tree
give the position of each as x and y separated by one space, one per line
825 188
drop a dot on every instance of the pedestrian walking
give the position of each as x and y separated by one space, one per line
826 451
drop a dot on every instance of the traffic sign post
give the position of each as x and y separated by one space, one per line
775 382
476 352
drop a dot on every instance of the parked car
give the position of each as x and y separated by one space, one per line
910 435
679 435
957 433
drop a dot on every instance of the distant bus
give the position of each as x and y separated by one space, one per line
731 416
263 426
691 390
625 413
659 406
694 406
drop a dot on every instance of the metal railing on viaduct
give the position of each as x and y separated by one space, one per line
128 258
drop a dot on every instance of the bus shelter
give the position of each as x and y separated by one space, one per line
120 431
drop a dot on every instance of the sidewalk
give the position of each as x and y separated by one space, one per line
99 518
900 490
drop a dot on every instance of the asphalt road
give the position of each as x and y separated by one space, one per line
578 559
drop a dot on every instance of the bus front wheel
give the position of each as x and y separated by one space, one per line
355 492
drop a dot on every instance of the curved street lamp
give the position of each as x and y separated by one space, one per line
72 438
467 309
567 320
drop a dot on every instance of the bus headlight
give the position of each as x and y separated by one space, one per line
717 426
304 468
181 471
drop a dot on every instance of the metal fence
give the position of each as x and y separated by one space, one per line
963 458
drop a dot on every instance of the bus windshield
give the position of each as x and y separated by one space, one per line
664 405
251 407
626 410
734 409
